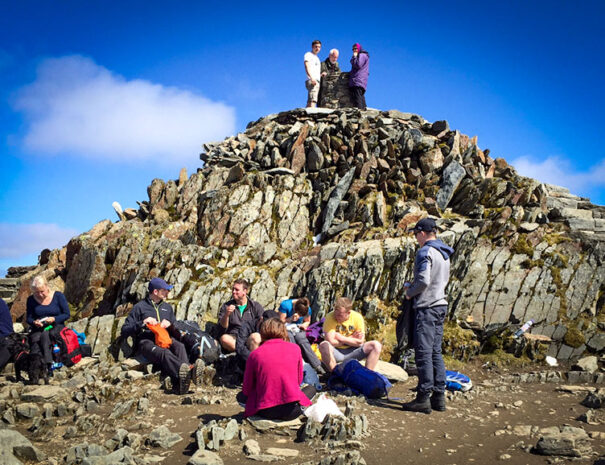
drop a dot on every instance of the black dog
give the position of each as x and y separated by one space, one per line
32 363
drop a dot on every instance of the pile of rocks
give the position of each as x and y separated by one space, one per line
317 202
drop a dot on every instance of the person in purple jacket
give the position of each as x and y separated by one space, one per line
45 314
358 76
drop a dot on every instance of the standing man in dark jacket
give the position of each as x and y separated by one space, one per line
173 361
235 312
431 275
358 77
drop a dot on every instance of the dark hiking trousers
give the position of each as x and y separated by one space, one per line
358 97
301 340
169 360
40 341
5 354
428 340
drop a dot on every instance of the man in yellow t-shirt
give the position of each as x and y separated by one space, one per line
344 333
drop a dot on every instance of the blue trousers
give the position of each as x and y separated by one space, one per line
428 340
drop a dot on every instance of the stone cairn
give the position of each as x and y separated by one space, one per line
317 202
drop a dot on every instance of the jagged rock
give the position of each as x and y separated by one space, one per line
205 457
588 364
567 441
356 179
450 180
14 446
251 447
595 399
262 424
27 410
281 452
44 394
163 437
391 371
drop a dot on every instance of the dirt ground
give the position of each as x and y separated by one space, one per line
489 424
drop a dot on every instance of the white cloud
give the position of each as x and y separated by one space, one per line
19 240
79 108
560 171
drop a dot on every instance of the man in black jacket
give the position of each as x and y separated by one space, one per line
173 361
248 336
235 312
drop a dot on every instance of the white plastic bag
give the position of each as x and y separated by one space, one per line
322 407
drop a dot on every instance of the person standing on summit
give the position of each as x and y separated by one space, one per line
358 77
431 275
313 70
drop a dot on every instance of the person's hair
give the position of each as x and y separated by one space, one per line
273 328
243 282
315 42
38 282
302 306
334 51
343 302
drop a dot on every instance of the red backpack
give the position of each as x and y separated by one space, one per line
70 352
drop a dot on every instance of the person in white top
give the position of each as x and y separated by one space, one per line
313 70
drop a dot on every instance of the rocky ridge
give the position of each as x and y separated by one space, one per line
317 203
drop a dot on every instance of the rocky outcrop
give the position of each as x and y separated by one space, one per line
317 202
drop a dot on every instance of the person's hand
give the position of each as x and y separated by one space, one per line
355 54
295 317
38 323
357 334
150 321
324 74
313 82
50 319
230 309
165 324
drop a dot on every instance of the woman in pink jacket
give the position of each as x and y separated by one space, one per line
273 376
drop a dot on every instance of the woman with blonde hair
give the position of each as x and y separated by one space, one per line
46 312
273 376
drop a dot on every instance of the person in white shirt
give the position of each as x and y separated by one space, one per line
313 70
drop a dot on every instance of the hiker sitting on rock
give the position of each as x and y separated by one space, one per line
273 376
236 311
46 312
151 323
344 333
296 313
249 338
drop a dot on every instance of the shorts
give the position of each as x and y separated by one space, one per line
313 91
350 353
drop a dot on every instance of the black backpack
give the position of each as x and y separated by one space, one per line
199 344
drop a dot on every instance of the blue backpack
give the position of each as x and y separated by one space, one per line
361 380
456 381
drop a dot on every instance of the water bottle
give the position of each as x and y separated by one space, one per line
56 349
523 329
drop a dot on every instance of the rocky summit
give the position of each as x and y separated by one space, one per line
317 202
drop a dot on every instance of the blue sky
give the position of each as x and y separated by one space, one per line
98 98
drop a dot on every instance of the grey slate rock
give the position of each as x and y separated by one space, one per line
452 175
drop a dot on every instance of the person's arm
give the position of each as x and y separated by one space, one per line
224 314
30 316
133 324
306 322
422 275
313 81
301 373
355 340
64 308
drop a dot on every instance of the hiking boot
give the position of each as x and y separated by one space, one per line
438 401
184 379
197 372
421 404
